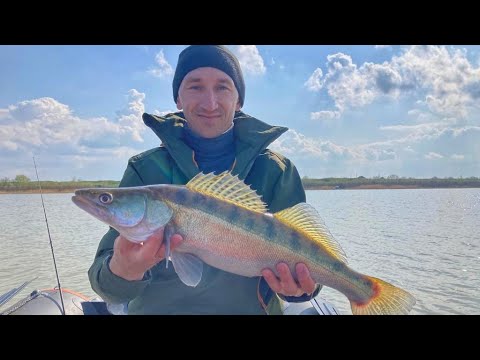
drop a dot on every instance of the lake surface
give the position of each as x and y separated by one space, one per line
426 241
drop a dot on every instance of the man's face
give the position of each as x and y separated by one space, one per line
209 99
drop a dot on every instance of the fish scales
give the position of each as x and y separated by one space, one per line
225 224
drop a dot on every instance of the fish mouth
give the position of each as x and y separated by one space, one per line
87 205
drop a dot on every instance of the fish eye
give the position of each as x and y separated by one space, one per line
105 198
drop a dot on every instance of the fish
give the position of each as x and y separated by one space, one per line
225 224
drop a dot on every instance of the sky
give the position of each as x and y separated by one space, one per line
369 110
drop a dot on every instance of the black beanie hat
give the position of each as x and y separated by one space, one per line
216 56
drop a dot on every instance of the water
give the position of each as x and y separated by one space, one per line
426 241
25 248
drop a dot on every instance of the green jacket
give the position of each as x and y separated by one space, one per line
161 291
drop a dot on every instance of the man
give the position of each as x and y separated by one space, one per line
210 133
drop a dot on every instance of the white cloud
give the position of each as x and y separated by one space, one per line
433 155
299 145
325 115
250 59
163 68
439 136
382 46
6 134
447 78
315 82
345 84
383 78
162 113
414 112
45 109
90 148
47 123
375 153
436 138
445 81
421 116
131 118
4 115
404 155
124 152
417 129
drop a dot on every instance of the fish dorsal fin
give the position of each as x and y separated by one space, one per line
306 220
228 188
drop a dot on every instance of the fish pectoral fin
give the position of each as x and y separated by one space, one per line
188 267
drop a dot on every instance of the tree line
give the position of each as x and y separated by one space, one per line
390 181
23 183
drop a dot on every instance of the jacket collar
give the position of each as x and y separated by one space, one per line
252 136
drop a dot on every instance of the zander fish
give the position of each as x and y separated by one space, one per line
225 224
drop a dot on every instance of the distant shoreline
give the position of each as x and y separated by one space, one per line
387 187
308 187
358 183
44 191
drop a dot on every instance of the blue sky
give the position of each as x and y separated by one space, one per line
352 110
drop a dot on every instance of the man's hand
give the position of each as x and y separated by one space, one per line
286 285
131 260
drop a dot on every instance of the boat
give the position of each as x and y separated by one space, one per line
49 302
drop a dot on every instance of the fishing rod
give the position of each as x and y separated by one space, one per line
50 238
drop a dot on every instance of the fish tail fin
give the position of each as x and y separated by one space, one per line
387 300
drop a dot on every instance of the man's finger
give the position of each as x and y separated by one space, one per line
289 285
272 280
160 253
175 241
124 246
304 278
154 240
153 244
